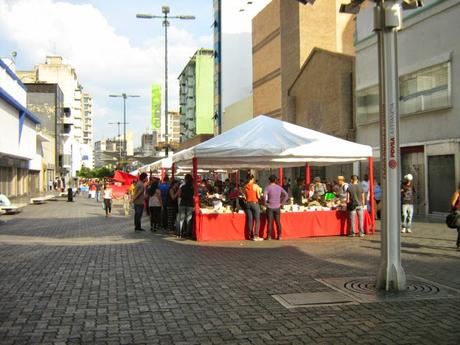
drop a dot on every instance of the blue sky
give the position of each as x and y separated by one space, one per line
113 51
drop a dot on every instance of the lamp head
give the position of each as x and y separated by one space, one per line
165 9
411 4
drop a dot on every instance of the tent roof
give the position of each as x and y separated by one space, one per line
264 142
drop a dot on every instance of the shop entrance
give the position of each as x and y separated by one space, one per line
412 162
441 182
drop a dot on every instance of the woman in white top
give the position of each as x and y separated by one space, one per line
108 200
155 206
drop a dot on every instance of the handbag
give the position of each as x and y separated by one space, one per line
453 220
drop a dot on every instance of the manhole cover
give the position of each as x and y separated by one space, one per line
309 299
363 289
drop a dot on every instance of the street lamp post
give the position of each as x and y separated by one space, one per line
118 123
165 10
124 96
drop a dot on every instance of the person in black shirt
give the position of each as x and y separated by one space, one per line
355 205
186 206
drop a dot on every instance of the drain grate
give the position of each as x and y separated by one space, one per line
363 289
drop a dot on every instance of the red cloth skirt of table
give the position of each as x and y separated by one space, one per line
232 226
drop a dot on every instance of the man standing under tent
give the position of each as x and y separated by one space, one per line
274 196
355 205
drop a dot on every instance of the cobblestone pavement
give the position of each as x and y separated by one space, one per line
68 275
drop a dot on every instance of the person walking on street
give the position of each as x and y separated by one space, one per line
455 203
155 206
98 190
407 203
138 201
355 204
252 195
274 196
107 200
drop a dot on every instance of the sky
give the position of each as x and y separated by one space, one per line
112 51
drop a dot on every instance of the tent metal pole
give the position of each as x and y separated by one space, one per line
371 192
196 198
307 175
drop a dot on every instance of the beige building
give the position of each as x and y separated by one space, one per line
284 34
325 101
237 113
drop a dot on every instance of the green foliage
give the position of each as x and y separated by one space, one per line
85 172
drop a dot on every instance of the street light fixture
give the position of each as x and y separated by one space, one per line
165 10
124 96
118 123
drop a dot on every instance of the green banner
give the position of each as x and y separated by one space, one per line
156 107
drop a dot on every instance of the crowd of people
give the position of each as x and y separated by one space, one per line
170 204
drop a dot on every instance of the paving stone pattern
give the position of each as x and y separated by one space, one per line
68 275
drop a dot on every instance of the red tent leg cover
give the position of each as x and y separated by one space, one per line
371 192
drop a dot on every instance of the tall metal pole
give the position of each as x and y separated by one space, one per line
166 24
165 17
387 21
124 126
218 64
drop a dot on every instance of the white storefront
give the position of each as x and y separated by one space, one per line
429 69
19 164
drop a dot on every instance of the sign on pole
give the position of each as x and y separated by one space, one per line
156 107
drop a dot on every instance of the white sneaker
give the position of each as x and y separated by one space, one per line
403 230
409 230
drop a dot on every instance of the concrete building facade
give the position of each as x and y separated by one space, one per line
237 113
197 95
55 71
46 101
108 151
20 147
429 107
284 34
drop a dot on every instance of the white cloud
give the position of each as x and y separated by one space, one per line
236 21
105 61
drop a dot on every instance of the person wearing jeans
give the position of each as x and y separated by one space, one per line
407 203
138 201
274 196
356 203
252 195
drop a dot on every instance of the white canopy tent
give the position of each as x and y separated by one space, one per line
264 142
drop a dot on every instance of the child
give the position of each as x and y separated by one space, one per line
126 202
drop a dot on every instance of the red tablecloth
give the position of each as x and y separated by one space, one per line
232 227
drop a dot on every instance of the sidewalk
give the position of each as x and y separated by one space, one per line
68 275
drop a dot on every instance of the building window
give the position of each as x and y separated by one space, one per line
425 90
367 109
